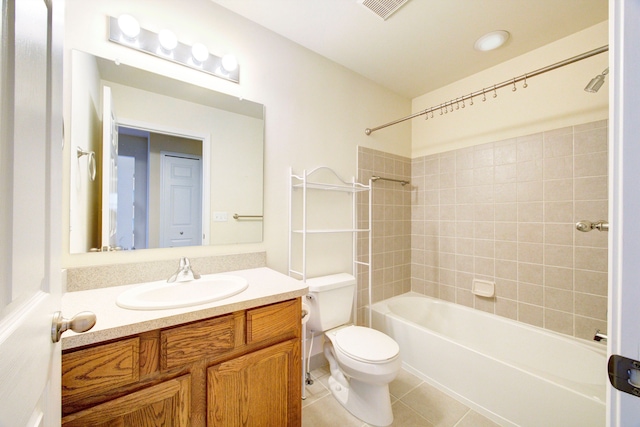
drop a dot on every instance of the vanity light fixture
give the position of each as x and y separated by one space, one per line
126 31
492 40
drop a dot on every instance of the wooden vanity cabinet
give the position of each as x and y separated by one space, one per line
238 369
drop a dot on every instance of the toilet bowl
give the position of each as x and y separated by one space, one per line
363 361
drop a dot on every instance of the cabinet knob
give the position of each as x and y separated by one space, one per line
81 322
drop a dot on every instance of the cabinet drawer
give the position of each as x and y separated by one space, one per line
197 341
103 367
277 320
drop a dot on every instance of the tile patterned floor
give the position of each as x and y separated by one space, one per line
414 403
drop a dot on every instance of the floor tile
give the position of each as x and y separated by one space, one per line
328 412
474 419
403 416
437 407
403 384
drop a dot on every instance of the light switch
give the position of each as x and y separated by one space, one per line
220 216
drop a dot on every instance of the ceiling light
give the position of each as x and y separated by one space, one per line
596 83
167 40
491 41
200 52
129 26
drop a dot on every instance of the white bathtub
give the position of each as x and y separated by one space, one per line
515 374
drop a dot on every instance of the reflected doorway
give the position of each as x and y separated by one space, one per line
141 206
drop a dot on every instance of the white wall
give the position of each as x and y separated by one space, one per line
316 110
552 100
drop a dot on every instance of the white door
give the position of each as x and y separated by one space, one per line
181 201
109 172
624 235
30 211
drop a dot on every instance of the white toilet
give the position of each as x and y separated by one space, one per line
363 361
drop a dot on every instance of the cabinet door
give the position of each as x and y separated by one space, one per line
259 389
164 404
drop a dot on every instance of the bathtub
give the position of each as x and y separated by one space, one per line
512 373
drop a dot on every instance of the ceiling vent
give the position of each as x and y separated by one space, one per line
383 8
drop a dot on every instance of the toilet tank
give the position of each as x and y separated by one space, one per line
330 301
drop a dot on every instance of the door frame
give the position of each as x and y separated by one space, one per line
624 201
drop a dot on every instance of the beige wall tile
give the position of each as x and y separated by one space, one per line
558 321
588 305
531 314
507 308
558 189
507 289
558 299
558 144
594 259
558 277
504 211
559 234
505 152
530 273
530 294
591 282
592 188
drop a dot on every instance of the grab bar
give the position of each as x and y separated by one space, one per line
236 216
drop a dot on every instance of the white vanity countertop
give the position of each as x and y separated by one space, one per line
266 286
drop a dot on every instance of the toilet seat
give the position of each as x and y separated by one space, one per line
366 344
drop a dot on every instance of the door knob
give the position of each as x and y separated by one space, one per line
81 322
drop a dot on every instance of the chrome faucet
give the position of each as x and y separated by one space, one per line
184 272
599 336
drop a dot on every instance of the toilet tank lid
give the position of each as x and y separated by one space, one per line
325 283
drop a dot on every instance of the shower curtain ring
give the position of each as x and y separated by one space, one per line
484 95
471 95
495 94
514 85
525 85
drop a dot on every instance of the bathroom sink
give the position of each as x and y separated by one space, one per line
161 295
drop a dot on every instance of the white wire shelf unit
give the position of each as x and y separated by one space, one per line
325 179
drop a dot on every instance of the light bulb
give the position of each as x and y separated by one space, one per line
167 40
129 26
229 63
199 52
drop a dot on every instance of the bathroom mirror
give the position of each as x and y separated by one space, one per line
157 162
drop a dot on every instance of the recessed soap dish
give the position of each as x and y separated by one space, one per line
483 288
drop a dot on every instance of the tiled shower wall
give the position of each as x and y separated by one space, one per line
391 225
504 212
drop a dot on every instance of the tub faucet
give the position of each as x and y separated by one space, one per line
184 272
599 336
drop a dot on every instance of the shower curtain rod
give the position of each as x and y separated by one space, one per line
493 88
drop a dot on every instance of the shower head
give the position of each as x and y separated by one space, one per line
596 82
